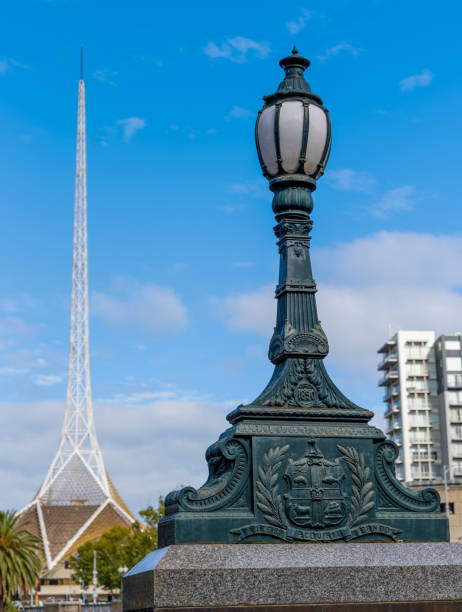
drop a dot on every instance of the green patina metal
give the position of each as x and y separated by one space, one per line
300 463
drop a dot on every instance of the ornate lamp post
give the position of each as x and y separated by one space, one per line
300 462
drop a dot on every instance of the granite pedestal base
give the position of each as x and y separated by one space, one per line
385 577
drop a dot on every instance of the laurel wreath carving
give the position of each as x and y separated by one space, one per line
362 494
268 498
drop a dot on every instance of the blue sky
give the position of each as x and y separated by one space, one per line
182 258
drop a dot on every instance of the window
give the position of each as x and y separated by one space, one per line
454 380
418 420
456 414
456 431
452 345
454 364
451 507
455 397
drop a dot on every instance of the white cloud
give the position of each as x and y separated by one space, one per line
392 201
143 307
422 79
237 49
47 380
105 76
340 47
151 444
295 26
406 280
130 126
237 112
8 371
351 180
248 312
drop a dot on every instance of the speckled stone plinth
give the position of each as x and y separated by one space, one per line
217 576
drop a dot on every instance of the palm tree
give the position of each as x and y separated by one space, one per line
19 563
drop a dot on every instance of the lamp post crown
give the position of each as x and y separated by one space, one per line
293 83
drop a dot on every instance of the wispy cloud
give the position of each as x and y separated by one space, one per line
351 180
130 126
237 49
230 208
187 130
105 76
401 199
339 48
422 79
237 112
150 60
256 188
243 264
8 64
295 26
47 380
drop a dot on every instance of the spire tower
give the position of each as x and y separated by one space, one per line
77 489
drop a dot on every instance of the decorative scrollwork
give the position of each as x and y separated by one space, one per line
229 467
288 375
362 492
268 498
427 500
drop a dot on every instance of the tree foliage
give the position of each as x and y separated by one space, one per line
19 563
116 548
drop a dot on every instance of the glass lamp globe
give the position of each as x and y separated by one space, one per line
293 133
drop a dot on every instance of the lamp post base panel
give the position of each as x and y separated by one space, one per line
302 482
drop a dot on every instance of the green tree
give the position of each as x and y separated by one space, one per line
117 547
19 563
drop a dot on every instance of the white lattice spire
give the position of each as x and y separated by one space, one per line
77 472
77 499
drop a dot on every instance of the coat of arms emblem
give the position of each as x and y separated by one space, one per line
315 498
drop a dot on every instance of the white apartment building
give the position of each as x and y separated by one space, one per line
412 408
448 353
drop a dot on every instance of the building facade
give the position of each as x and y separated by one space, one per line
422 380
448 352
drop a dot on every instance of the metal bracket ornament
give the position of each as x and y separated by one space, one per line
427 500
229 468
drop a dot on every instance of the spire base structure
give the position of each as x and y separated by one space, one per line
300 463
77 501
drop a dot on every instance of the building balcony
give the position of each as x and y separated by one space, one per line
389 344
388 361
392 411
389 378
